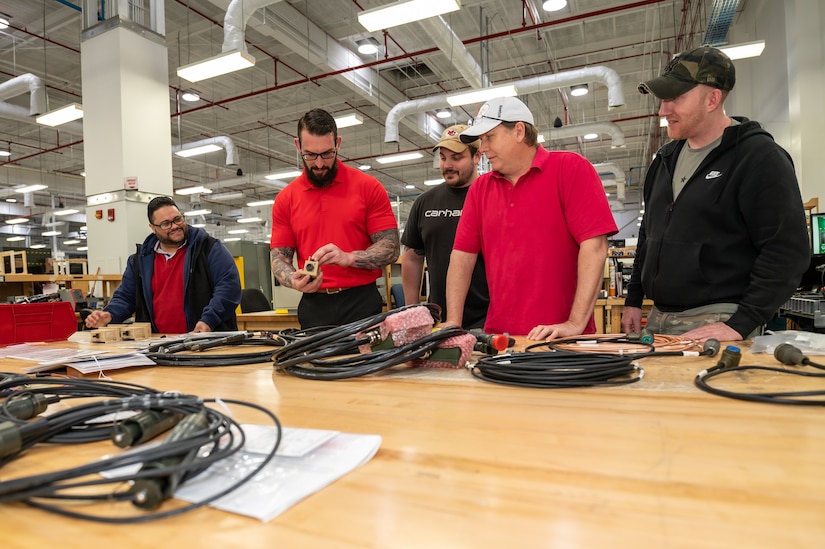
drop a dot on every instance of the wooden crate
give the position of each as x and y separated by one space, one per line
16 261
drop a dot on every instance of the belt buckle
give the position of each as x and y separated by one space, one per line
331 291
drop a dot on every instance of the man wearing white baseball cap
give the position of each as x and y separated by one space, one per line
541 220
431 226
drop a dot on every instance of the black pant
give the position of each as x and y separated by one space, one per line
322 309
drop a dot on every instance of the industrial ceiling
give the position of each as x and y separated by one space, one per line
306 57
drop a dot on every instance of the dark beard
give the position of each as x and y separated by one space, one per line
321 181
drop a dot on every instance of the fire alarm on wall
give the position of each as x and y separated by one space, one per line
111 214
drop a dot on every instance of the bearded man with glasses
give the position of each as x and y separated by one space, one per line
181 279
338 217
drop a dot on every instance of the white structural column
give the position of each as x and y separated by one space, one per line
126 136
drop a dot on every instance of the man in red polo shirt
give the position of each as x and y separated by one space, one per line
341 218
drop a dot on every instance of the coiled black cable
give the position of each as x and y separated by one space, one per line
203 437
558 369
311 357
786 354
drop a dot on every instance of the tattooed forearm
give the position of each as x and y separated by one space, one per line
282 268
383 251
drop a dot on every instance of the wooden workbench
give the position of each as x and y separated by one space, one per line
469 464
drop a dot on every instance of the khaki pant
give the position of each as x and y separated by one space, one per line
678 323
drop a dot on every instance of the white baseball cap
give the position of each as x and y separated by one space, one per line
494 112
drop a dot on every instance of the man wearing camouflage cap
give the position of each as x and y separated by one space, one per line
431 226
723 241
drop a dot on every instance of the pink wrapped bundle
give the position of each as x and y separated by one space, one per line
453 352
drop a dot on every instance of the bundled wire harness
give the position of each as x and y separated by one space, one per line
786 354
377 343
142 478
188 351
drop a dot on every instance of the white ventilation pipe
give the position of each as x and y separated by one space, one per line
26 83
234 22
606 75
618 175
222 141
575 130
453 48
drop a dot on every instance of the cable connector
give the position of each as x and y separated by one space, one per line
144 426
26 406
730 357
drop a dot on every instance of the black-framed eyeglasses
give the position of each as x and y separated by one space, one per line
166 225
327 155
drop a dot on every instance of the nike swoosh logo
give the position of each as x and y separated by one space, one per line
713 175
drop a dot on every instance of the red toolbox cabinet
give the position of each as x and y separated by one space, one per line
25 322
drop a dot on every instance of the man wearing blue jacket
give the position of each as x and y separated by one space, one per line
723 241
181 279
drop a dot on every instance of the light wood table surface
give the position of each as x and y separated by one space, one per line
470 464
267 320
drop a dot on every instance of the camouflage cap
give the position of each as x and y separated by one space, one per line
703 65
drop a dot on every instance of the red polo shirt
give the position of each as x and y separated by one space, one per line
345 213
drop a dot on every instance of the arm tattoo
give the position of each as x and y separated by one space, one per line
282 268
383 251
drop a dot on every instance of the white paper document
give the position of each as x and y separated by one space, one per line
315 459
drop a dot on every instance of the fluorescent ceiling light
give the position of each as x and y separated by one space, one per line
577 90
70 242
52 233
541 138
82 248
554 5
4 23
195 151
663 122
364 167
190 96
249 219
482 95
227 196
591 135
53 224
409 186
291 174
368 46
199 225
237 231
11 200
222 63
69 211
398 157
198 212
433 182
37 246
443 113
200 189
260 203
348 120
745 50
83 228
5 153
15 238
62 115
30 188
400 13
17 220
233 239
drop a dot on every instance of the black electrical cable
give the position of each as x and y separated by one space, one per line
189 351
785 353
558 369
369 363
204 436
310 357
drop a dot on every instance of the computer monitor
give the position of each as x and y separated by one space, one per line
818 234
